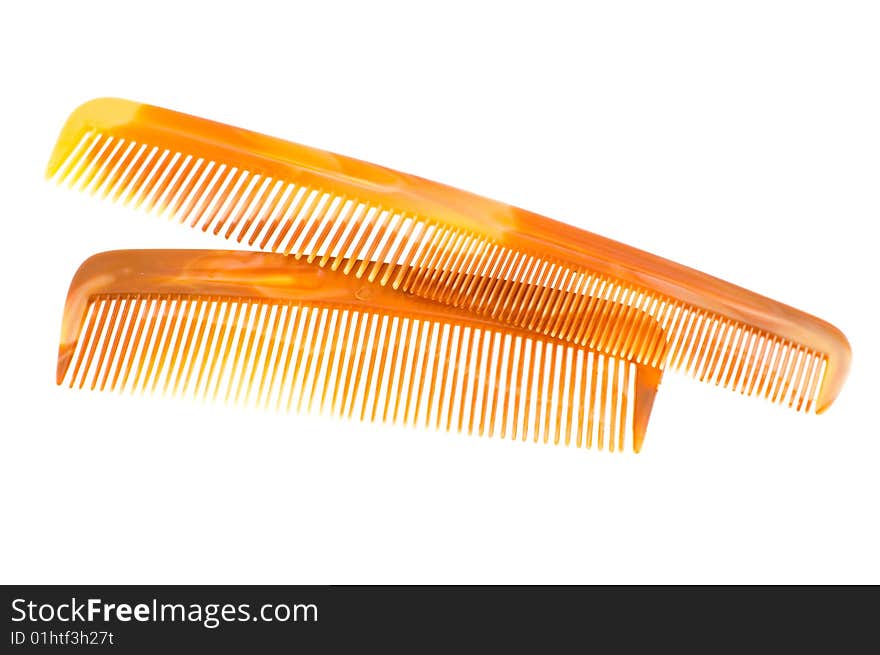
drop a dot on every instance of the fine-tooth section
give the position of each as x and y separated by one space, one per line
268 331
302 358
435 242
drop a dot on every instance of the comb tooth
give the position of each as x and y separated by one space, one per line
460 334
480 270
297 318
530 381
153 173
789 372
298 221
197 193
206 370
568 375
612 390
383 365
349 215
574 314
72 158
756 365
100 373
496 355
583 364
99 331
778 374
216 200
441 261
171 168
267 210
312 219
624 406
383 247
815 375
117 169
183 187
414 343
507 298
241 355
133 183
108 165
407 224
133 308
95 163
317 337
249 369
311 327
798 379
207 316
359 339
449 290
540 277
261 202
271 362
276 345
84 160
319 242
539 401
393 367
502 287
369 343
594 398
692 349
714 354
345 354
447 377
180 344
140 154
229 328
437 340
375 240
151 316
583 331
82 345
706 340
167 333
139 343
255 187
746 363
284 218
188 168
451 266
235 186
421 255
424 254
732 356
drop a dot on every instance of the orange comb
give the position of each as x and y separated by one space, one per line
269 330
481 256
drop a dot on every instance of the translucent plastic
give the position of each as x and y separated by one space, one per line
434 241
182 320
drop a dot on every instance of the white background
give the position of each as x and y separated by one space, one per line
742 139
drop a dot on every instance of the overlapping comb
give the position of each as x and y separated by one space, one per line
483 258
270 330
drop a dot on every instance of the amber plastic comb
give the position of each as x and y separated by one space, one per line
269 330
441 243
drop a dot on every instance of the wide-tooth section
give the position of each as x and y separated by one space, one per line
466 270
356 364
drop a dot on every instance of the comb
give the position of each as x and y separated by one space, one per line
449 246
272 331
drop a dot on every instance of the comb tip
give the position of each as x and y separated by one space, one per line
65 355
100 113
646 385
